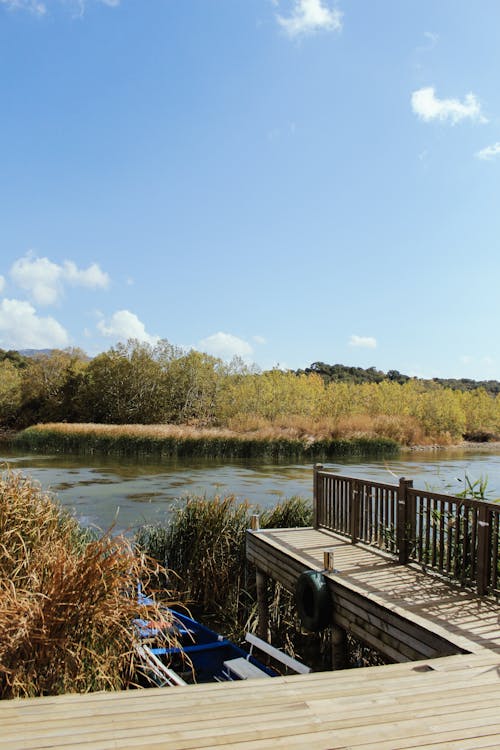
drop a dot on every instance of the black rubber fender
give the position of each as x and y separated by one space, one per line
313 601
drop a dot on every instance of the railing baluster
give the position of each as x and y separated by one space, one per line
442 532
456 537
494 552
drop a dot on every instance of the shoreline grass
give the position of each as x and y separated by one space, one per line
204 544
67 599
186 441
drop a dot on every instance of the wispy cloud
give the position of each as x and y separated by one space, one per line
431 40
259 339
226 346
32 6
489 152
364 342
2 284
310 16
39 8
22 328
44 281
427 106
124 325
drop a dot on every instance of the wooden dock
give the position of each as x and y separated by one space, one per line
453 705
441 628
404 613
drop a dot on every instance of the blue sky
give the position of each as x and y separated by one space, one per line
286 180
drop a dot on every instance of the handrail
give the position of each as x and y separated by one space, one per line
453 536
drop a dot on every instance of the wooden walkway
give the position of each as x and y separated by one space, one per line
453 706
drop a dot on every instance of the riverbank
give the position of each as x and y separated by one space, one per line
465 446
184 441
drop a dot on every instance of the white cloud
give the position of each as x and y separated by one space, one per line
125 325
2 284
259 339
427 106
91 277
44 281
365 342
22 328
226 346
489 152
309 16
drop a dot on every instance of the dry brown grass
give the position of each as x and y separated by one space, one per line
406 430
155 431
66 602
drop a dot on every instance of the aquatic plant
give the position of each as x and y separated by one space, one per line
176 440
67 598
204 544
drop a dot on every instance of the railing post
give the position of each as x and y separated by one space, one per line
354 509
403 520
483 550
317 495
255 522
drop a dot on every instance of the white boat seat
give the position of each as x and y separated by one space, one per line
244 669
275 653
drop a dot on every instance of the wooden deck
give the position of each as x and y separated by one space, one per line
442 692
445 703
452 706
402 611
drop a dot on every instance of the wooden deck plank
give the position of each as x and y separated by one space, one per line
330 711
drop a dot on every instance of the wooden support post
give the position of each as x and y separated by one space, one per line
339 647
483 550
404 521
255 522
328 560
317 495
262 606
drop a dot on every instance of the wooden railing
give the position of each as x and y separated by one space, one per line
456 537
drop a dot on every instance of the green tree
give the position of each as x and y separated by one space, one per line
10 393
50 386
124 386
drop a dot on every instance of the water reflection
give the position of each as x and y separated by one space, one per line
102 490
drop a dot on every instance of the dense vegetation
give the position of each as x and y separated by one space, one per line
182 441
67 599
139 384
204 546
343 373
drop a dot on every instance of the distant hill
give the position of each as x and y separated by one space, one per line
34 352
346 374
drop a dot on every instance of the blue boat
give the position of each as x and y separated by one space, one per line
202 655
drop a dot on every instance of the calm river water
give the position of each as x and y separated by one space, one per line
103 490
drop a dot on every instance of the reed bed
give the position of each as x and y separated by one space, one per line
67 599
184 440
205 545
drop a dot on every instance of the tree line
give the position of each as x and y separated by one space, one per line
135 383
346 374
